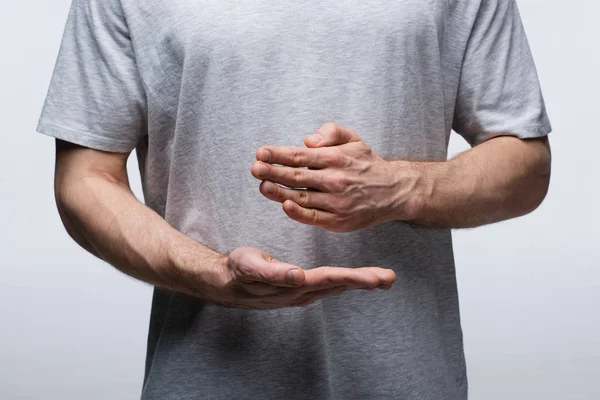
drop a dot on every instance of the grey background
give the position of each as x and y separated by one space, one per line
71 327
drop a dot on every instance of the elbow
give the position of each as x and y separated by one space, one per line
540 192
65 212
63 199
66 204
539 185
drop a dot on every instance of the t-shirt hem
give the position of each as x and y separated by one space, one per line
524 132
85 138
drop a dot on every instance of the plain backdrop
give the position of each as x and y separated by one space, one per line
72 327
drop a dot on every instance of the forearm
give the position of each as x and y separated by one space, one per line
103 216
500 179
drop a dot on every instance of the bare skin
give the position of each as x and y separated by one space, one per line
339 183
102 214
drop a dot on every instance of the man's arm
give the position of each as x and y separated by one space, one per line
502 178
102 214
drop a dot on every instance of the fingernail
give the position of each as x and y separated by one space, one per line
263 170
293 276
316 138
270 187
266 155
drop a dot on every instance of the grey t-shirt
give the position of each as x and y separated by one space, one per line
198 86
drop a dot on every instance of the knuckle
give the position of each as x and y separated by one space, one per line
337 182
298 176
318 178
297 156
314 216
344 180
338 159
374 281
332 156
330 126
303 198
330 183
341 205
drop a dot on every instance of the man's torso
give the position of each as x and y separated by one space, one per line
223 79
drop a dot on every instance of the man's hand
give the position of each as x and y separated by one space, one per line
346 187
251 278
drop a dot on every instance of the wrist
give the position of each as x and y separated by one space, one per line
441 187
416 184
192 267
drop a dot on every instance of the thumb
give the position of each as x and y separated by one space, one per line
274 272
331 134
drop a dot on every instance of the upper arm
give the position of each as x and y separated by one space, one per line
75 162
531 157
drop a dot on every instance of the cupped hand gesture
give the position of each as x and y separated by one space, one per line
251 278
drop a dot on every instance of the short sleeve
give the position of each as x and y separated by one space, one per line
499 92
96 98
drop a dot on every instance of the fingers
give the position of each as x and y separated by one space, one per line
367 277
302 197
300 156
325 278
266 291
331 134
311 216
387 276
259 267
289 176
302 297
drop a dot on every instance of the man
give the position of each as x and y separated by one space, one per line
218 99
